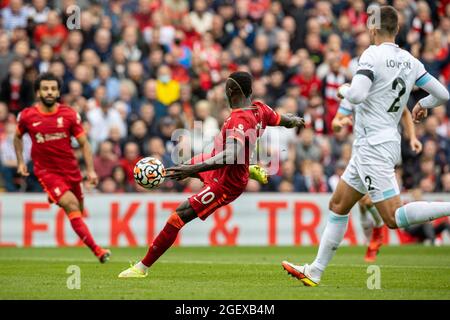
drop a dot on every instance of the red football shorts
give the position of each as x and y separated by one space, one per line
56 186
213 194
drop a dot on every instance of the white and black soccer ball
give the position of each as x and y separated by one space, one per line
149 172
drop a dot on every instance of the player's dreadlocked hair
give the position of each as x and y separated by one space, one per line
47 76
244 81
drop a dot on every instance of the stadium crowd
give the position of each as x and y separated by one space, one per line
136 71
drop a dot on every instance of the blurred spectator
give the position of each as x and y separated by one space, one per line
306 148
307 81
6 55
103 119
130 157
15 15
102 44
53 32
167 89
8 160
39 11
119 177
138 134
105 160
208 129
105 78
316 181
200 18
16 91
445 181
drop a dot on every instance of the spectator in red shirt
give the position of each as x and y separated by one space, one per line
131 156
144 13
357 15
307 80
53 32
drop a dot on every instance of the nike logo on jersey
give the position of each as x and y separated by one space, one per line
35 124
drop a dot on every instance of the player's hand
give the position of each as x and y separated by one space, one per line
92 178
419 113
22 170
416 145
342 89
181 172
294 121
338 124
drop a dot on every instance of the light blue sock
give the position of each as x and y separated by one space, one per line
420 212
331 239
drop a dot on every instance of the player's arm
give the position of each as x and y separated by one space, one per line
88 159
233 151
358 90
18 147
438 95
410 132
274 119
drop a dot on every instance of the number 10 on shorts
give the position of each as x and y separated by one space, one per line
206 196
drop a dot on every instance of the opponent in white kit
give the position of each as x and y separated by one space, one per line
381 87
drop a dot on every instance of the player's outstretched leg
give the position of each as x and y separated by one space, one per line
373 227
73 209
162 242
343 199
396 215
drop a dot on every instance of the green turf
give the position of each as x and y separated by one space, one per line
408 272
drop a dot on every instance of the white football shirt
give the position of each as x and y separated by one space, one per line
393 72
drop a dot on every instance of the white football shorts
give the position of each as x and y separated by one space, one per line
372 170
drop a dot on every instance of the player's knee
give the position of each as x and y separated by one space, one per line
186 214
366 202
72 206
335 206
391 223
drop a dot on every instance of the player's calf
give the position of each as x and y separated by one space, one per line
72 207
396 215
164 240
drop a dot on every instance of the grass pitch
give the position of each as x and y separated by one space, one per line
187 273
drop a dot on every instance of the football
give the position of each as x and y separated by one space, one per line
149 172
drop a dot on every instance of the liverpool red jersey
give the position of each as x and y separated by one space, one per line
246 125
51 134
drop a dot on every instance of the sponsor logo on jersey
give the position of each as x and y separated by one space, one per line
60 122
41 138
35 124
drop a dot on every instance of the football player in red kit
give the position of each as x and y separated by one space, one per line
51 126
224 172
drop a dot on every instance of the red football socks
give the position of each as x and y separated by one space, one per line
82 230
164 240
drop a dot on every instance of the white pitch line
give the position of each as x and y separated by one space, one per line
84 260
